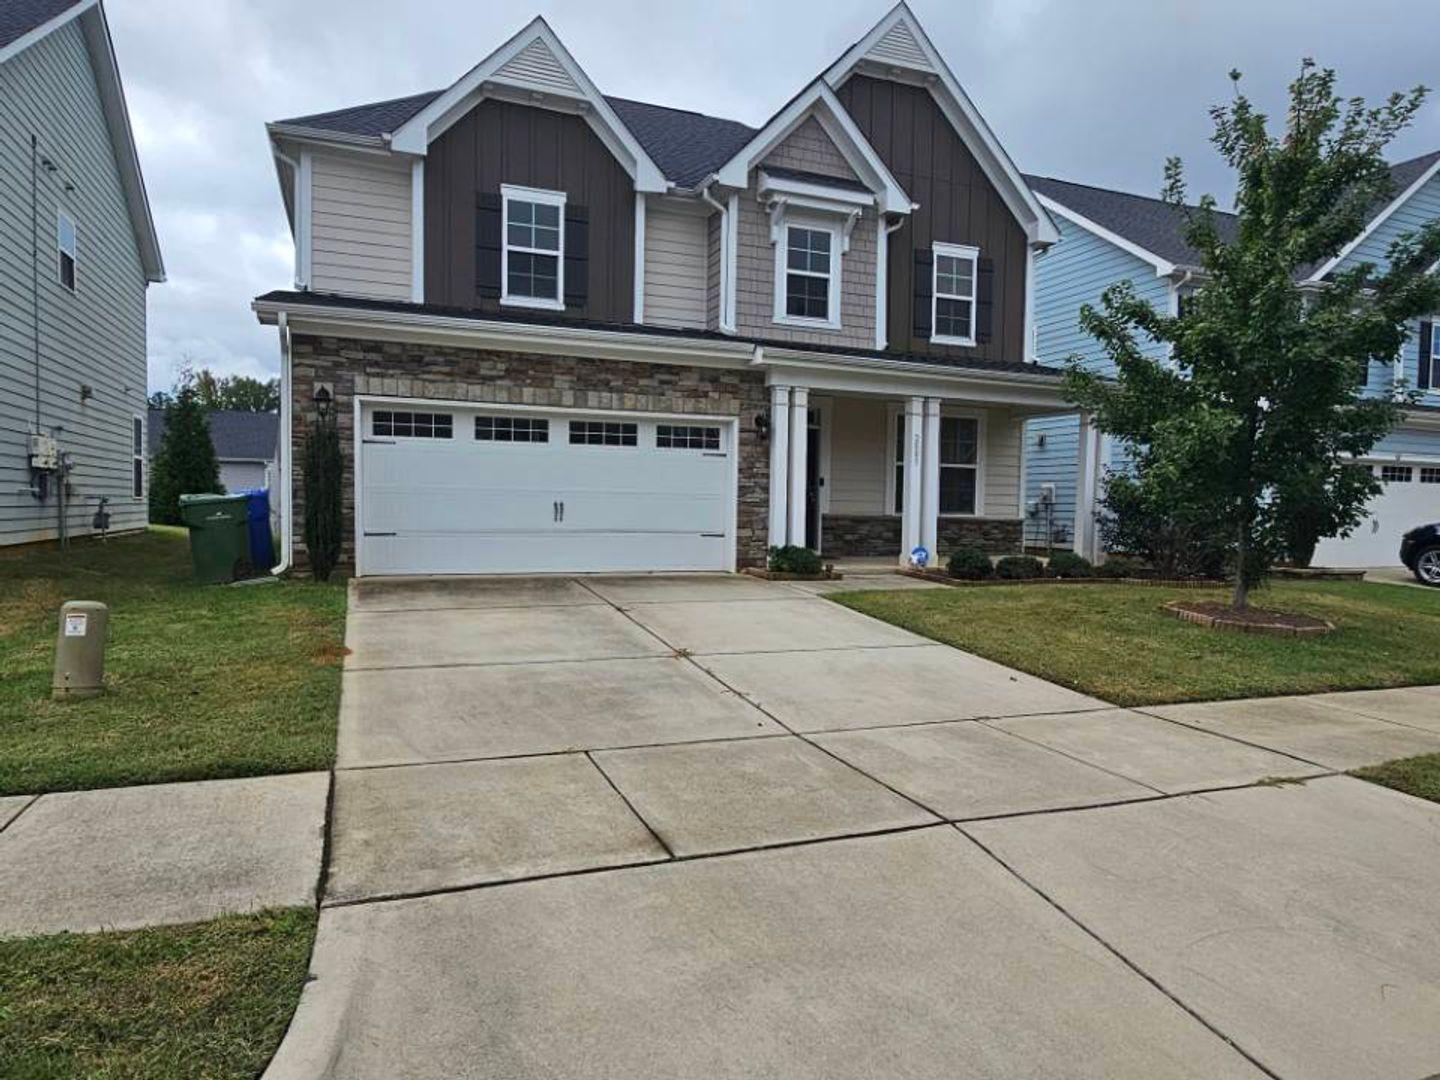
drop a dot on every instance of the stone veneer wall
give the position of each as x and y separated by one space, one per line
470 376
860 535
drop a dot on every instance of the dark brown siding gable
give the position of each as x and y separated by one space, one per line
958 205
497 143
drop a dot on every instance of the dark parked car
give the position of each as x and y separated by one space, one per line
1420 551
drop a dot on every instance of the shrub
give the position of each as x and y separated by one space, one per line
1066 564
791 559
1019 568
185 464
1122 566
1150 517
969 564
324 476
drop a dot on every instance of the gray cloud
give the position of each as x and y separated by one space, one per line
1098 91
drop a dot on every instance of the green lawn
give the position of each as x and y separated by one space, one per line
1113 641
202 681
208 1000
1418 776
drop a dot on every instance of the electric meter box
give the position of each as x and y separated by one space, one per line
44 453
80 650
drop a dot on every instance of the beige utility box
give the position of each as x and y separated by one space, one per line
80 649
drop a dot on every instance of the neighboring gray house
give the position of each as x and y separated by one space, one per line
77 252
245 443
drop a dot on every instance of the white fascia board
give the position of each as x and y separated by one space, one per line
122 138
963 116
341 140
415 135
1163 267
1375 222
819 100
820 192
24 41
551 340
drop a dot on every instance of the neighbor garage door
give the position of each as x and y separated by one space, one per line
458 490
1411 497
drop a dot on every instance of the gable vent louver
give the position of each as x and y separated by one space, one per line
536 66
898 46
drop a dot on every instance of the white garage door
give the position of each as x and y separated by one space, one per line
459 490
1411 497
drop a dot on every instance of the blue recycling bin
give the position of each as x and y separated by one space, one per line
262 547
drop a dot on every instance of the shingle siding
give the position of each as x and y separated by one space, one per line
94 337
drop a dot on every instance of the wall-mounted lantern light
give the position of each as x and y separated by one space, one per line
323 397
762 426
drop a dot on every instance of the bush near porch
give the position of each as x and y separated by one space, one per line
1117 644
202 681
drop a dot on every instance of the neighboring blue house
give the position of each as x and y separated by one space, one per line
1111 236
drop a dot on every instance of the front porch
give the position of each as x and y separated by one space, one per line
870 475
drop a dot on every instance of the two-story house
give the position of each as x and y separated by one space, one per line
1111 236
562 331
77 253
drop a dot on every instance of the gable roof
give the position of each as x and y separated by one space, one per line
1406 177
687 146
236 435
25 22
1150 224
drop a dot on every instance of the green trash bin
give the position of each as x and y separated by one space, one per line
219 536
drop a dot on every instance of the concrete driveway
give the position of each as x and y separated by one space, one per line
708 826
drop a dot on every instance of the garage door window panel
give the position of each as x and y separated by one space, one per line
412 425
603 433
520 429
1396 474
686 437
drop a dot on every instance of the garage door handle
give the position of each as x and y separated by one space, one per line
557 509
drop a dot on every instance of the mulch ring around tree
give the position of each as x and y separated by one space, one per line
1250 621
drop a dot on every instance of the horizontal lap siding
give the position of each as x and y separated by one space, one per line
1073 273
1411 442
360 225
95 336
675 267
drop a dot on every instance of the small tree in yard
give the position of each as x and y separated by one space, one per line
1254 426
185 464
324 477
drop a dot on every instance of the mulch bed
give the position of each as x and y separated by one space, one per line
1250 621
775 575
944 578
1318 573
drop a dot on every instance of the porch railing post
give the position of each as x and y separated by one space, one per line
799 461
779 465
910 508
930 482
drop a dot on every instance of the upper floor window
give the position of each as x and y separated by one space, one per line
137 457
533 258
807 277
68 246
954 298
1431 363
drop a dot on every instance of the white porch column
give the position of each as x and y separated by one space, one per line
1086 485
779 465
930 481
799 461
910 509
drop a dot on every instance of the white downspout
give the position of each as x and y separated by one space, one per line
722 315
287 480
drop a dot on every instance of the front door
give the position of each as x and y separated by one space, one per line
813 481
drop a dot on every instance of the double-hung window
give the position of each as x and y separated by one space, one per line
959 464
532 268
67 245
807 276
137 457
1433 360
953 317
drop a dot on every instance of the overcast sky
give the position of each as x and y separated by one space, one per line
1097 91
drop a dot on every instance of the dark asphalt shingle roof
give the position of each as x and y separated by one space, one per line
236 436
19 17
685 146
1151 223
782 173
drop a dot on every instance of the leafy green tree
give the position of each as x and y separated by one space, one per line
324 487
238 393
1262 408
185 463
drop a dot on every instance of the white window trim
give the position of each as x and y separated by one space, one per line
782 246
60 217
137 456
1433 358
897 413
954 251
535 195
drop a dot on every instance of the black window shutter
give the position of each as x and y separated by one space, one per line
984 301
577 256
924 290
489 232
1427 364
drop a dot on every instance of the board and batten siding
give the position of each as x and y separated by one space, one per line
676 272
360 225
1071 274
94 337
862 458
